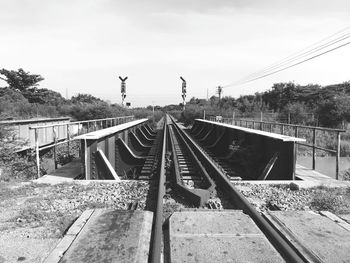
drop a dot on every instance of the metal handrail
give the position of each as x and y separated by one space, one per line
79 122
338 132
56 141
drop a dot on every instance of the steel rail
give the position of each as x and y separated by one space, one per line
156 240
199 196
285 249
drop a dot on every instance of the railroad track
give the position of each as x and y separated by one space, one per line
200 177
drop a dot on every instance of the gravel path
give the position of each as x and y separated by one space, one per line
33 217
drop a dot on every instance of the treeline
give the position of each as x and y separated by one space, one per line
312 104
22 99
327 106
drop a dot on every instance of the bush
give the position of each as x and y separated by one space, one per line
326 201
190 114
12 165
346 175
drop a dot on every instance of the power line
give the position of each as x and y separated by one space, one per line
300 56
308 47
305 60
283 64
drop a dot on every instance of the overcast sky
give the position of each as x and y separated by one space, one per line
83 45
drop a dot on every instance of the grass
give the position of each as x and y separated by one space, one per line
335 200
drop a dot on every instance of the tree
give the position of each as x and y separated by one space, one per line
332 112
296 113
85 98
44 96
20 80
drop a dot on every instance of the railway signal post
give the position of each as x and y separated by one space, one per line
123 88
184 91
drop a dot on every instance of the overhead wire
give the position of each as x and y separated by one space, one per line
300 56
293 65
285 63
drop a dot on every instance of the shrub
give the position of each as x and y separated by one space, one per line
346 175
12 165
326 200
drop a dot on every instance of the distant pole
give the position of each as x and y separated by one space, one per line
261 116
288 117
184 91
219 91
123 88
203 114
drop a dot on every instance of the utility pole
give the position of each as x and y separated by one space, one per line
123 88
219 91
184 91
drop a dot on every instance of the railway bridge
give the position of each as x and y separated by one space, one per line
198 167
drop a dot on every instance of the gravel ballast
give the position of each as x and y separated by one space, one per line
33 217
287 197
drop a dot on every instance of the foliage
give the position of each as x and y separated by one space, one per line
20 80
333 200
44 96
295 113
346 175
12 165
334 111
190 114
85 98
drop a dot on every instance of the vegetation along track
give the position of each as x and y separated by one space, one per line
198 179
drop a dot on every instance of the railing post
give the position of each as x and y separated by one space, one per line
313 149
54 147
282 129
296 135
68 139
37 156
253 124
88 124
261 125
337 157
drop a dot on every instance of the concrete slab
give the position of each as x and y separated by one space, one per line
308 179
112 236
313 176
66 173
317 236
218 236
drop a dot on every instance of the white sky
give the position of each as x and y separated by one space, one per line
83 45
